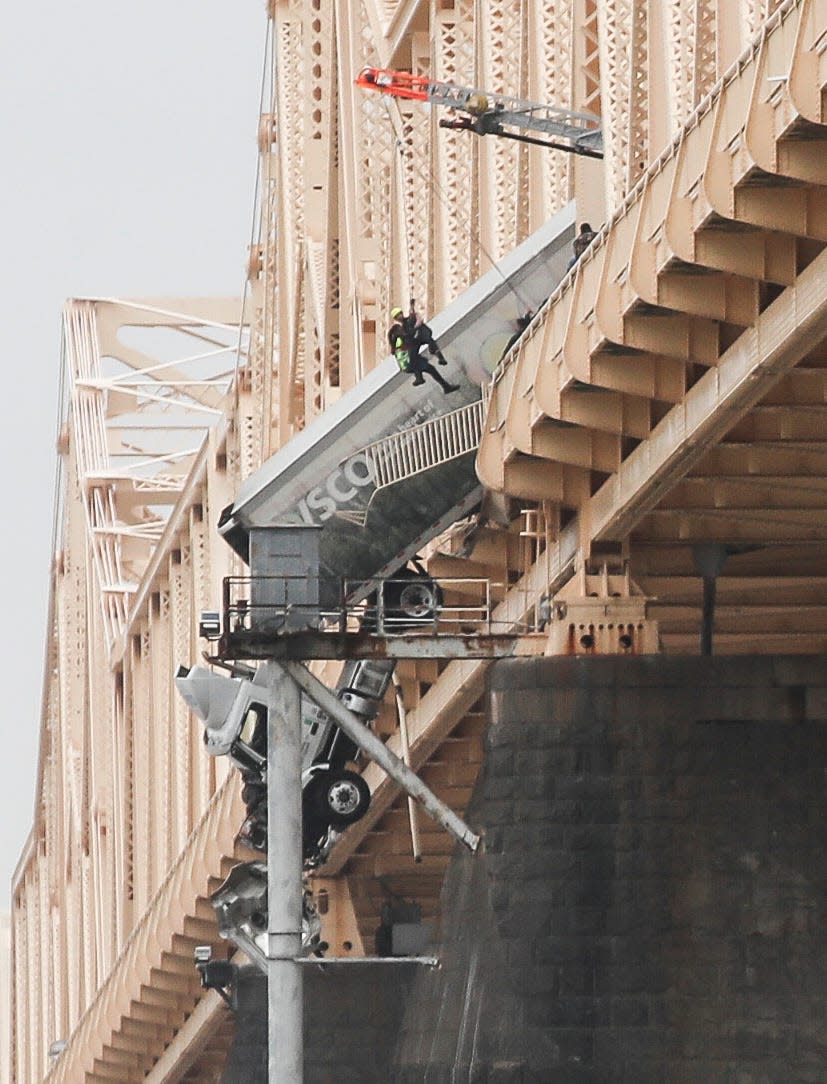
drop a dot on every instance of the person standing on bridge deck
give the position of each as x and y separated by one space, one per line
581 243
520 326
405 343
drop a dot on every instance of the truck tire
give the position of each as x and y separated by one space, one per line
340 797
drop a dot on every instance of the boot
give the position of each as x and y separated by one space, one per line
441 358
448 388
419 379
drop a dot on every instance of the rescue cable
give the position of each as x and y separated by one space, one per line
400 147
429 175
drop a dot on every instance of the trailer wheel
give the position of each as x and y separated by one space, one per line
411 599
418 599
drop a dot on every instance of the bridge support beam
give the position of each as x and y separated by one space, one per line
378 751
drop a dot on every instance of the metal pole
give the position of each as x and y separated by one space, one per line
402 715
378 751
285 1003
708 613
709 559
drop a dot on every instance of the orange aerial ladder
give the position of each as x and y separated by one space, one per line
493 114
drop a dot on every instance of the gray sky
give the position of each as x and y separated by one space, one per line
128 168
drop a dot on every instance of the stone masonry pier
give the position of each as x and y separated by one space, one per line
651 903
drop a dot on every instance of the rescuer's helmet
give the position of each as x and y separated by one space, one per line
396 312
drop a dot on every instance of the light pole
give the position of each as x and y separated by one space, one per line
284 880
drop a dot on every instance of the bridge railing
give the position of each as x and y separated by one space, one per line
449 606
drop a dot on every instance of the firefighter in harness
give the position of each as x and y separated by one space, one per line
407 336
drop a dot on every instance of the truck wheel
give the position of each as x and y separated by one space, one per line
341 797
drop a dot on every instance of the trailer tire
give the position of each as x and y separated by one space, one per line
418 600
410 600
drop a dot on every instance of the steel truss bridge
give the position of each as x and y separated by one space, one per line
663 416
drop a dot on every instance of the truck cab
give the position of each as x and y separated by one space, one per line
235 713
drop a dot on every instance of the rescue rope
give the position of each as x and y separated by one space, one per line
464 219
400 164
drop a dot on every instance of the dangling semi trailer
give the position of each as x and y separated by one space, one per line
391 464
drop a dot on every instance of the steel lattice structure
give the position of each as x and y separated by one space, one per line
170 404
